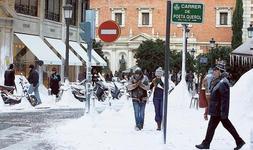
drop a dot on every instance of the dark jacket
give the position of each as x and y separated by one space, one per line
138 88
54 83
158 84
9 77
219 102
33 77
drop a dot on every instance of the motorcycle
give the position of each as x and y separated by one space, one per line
12 99
79 93
7 96
101 91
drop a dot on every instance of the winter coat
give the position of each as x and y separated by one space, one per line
33 77
138 88
158 84
219 101
54 83
9 77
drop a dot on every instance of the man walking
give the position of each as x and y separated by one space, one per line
33 79
218 108
138 86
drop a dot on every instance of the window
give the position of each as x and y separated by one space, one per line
223 17
118 15
85 6
52 10
27 7
74 4
145 17
118 18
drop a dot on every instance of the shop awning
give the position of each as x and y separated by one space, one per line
60 47
95 55
40 49
83 54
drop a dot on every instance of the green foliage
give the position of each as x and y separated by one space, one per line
151 54
237 24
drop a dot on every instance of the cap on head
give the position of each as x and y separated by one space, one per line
159 72
31 66
220 66
138 70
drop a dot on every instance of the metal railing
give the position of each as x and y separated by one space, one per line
26 9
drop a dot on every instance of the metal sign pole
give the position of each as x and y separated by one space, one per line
166 88
88 75
183 52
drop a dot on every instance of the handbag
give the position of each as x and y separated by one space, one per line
202 99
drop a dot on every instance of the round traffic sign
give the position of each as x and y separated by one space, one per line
109 31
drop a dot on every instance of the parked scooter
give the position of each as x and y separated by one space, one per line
101 91
31 98
7 96
12 99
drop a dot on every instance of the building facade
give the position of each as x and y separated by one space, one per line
141 20
39 18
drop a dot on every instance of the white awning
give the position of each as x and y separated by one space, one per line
83 54
95 55
60 47
40 49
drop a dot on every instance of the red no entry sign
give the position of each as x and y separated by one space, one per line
109 31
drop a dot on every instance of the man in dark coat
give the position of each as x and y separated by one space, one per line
55 79
9 77
138 86
33 79
218 108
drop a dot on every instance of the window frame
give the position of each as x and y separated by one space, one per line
121 11
142 11
53 15
219 11
27 8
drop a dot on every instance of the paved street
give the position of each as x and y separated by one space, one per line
21 129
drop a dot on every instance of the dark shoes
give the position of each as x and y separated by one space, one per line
239 145
158 127
202 146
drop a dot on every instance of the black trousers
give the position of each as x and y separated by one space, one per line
213 123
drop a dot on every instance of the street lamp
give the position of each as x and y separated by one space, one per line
212 44
250 31
68 15
192 52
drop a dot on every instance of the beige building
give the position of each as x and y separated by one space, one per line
33 30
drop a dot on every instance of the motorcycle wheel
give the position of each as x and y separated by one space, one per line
33 100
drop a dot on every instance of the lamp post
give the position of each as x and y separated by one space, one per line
212 44
250 31
192 52
68 15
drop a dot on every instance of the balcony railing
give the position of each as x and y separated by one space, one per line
26 9
52 16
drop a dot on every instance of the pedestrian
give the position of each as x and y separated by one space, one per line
54 82
33 79
218 108
9 77
158 85
138 86
206 84
189 80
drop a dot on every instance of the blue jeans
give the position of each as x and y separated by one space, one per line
139 113
36 92
158 103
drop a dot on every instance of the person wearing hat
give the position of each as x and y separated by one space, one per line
33 79
218 108
157 85
54 82
138 87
